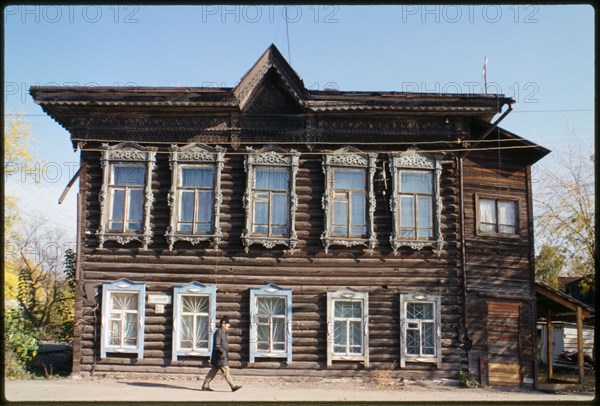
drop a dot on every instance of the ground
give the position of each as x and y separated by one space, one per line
260 389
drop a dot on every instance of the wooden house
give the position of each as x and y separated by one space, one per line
340 231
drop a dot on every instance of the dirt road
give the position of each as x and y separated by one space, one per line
176 389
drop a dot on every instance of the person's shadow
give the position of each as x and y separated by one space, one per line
157 385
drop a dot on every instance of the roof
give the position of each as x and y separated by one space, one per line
550 298
563 281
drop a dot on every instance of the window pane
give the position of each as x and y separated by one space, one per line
419 311
340 213
347 308
270 178
118 205
507 213
358 214
197 177
416 182
407 211
339 230
508 229
128 175
412 342
270 305
279 210
356 335
115 332
425 219
339 335
487 211
184 227
349 179
263 336
136 205
194 304
124 301
202 332
261 212
186 208
279 330
428 346
130 329
205 206
186 332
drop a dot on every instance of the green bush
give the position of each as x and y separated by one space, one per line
467 379
21 344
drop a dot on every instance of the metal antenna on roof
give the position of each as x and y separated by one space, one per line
484 73
287 32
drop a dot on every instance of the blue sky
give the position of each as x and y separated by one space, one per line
540 55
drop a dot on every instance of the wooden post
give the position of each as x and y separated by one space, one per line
549 332
580 344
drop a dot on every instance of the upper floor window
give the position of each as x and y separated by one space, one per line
126 195
349 200
347 331
123 315
195 197
420 328
497 216
194 313
270 200
270 322
416 203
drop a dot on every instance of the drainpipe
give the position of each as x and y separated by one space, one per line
492 128
463 261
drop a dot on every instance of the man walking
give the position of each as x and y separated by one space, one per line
220 356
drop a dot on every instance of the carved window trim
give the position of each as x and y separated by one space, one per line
126 152
193 289
189 156
119 286
349 157
421 297
270 290
348 294
497 199
416 160
271 156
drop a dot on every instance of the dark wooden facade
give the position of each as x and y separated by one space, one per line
485 283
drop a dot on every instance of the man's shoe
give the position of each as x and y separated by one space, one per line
206 388
236 388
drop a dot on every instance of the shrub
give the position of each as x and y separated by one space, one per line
467 379
21 343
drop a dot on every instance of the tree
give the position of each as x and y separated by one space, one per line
549 263
45 279
565 218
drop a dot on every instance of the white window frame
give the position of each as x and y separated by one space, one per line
349 157
193 289
129 154
190 156
348 294
414 160
420 297
270 290
270 156
122 286
497 199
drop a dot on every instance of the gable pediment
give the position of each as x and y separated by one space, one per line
271 82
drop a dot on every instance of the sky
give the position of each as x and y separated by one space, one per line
542 56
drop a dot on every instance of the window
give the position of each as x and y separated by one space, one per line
420 317
416 203
271 321
497 216
349 200
194 315
123 314
347 326
195 197
270 200
126 195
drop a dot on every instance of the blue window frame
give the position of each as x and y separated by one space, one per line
194 315
271 322
123 315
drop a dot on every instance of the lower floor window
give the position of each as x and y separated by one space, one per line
347 327
194 322
270 318
420 328
123 319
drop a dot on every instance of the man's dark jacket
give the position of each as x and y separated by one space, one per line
220 352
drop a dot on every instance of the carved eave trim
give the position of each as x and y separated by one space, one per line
349 157
134 153
271 156
188 155
252 80
414 159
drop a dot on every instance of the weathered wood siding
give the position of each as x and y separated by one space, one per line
498 268
309 272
